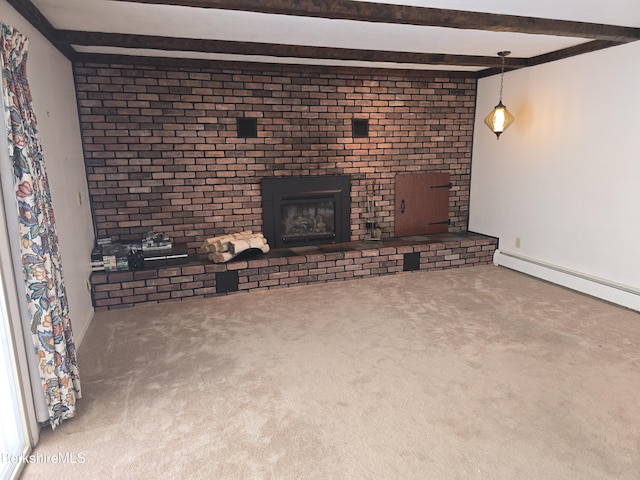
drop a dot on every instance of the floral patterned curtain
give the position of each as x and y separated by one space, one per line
46 295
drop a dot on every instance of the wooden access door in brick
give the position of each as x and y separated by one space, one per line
422 203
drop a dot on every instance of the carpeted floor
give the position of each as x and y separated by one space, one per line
475 373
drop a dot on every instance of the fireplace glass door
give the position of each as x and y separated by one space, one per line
307 219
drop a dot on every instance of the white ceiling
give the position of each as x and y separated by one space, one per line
240 26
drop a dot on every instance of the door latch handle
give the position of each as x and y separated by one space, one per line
445 222
402 206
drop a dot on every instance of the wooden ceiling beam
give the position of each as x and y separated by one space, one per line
605 35
278 50
264 68
553 56
412 15
571 52
31 13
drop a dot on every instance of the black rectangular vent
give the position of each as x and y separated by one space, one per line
411 262
360 127
227 281
247 127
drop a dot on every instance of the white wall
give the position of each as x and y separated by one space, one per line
565 177
53 92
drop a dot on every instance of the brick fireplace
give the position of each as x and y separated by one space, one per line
163 151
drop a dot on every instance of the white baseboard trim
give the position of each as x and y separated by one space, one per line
619 294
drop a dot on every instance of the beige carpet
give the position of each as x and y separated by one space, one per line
477 373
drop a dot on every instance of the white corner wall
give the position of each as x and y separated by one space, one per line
53 91
564 179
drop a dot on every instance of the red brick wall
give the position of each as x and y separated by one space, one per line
162 151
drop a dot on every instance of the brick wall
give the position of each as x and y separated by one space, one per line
162 150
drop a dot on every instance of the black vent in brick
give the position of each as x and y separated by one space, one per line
247 127
227 281
411 262
360 127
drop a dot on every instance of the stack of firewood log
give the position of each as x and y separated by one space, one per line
226 247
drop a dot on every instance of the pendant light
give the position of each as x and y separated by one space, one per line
499 119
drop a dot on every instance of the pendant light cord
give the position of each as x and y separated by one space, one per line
501 78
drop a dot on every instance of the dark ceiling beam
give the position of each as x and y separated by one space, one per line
411 15
280 68
278 50
553 56
31 13
571 52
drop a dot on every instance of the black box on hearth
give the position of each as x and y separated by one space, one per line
176 255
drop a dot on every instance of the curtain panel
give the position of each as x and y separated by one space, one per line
42 267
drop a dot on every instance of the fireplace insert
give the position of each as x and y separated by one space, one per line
311 210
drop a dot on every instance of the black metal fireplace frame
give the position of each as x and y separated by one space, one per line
278 190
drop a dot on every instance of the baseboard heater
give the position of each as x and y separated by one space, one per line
613 292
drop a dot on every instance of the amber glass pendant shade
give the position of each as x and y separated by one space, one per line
499 119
